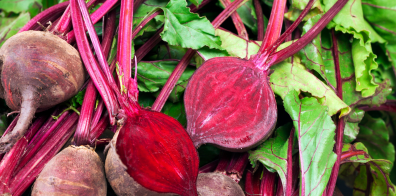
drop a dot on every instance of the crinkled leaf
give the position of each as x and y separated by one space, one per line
375 136
288 77
315 131
152 75
11 26
350 20
369 176
273 152
237 46
183 28
381 14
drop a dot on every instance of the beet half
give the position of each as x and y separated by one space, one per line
74 171
38 71
229 103
121 182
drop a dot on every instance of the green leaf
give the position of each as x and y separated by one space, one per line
375 136
175 110
352 121
11 26
288 77
17 6
350 20
315 131
152 75
248 15
146 9
273 152
381 14
369 176
237 46
196 2
207 153
183 28
77 100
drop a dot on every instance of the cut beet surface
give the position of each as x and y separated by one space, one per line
230 104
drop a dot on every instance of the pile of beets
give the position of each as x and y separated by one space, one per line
228 101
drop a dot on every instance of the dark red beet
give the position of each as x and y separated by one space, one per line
39 71
158 153
230 104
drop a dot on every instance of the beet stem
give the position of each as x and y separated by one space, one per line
267 183
260 20
289 180
81 136
140 26
340 122
389 106
236 19
252 181
237 165
28 108
99 128
306 38
210 167
9 129
49 14
274 25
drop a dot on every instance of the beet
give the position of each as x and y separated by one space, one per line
121 182
228 100
74 171
217 184
39 71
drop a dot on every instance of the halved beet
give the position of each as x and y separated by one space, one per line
158 153
229 103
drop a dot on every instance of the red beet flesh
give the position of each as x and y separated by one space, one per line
229 103
164 158
38 71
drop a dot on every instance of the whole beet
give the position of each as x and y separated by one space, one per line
74 171
121 182
217 184
38 71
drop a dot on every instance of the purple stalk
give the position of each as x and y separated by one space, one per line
252 182
289 180
81 136
236 19
279 188
41 138
11 159
267 186
223 162
50 14
260 20
182 65
91 64
237 165
288 24
99 129
102 142
340 122
97 114
210 167
124 42
389 106
10 128
274 25
95 17
306 38
194 8
144 22
24 177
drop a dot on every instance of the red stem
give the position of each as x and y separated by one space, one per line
124 41
267 186
144 22
289 180
260 20
182 65
97 76
349 154
24 177
340 122
99 129
274 25
306 38
236 19
237 165
389 106
9 128
223 162
50 14
252 182
210 167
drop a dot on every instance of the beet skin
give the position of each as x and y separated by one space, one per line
217 184
74 171
38 71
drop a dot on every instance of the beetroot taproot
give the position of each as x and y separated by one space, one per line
38 71
74 171
229 102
